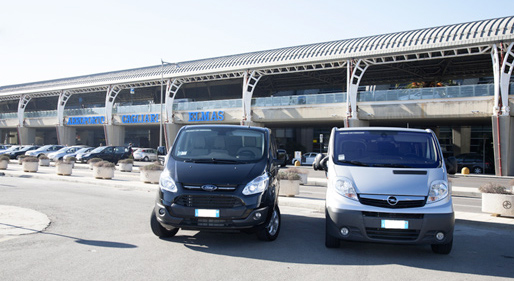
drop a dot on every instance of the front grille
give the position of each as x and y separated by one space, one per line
384 204
209 201
207 222
392 215
392 234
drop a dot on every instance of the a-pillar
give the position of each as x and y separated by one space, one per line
503 129
171 131
66 135
114 135
27 135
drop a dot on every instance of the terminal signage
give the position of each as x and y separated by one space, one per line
199 116
140 118
88 120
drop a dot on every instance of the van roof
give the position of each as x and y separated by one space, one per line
384 128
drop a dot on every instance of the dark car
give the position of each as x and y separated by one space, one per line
16 154
219 177
475 162
108 153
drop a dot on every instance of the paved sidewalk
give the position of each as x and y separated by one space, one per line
16 221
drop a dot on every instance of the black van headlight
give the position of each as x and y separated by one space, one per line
166 182
438 191
257 185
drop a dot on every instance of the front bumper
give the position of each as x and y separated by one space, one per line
368 226
244 217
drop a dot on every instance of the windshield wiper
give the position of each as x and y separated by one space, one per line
353 162
214 160
391 165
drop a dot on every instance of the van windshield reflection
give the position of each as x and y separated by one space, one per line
391 149
219 145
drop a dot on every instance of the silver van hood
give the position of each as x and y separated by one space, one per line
390 181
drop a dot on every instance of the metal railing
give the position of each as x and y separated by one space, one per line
448 92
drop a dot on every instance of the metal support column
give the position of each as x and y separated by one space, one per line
250 80
355 71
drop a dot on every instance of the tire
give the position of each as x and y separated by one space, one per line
160 231
330 241
442 249
270 230
477 170
146 159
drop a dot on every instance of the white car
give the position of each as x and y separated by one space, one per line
145 154
59 154
44 150
307 158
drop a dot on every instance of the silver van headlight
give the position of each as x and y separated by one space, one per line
166 182
257 185
344 186
438 191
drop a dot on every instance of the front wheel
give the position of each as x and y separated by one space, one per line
443 249
270 231
330 241
159 230
477 170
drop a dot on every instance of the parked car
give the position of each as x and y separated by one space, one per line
108 153
283 158
4 146
475 162
219 177
388 185
78 154
59 154
145 154
16 154
10 149
44 150
307 158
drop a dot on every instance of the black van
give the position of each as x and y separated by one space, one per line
219 177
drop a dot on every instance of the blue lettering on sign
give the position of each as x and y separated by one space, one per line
202 116
89 120
140 118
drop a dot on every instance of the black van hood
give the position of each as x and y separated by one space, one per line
220 174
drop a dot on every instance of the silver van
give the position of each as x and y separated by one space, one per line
388 185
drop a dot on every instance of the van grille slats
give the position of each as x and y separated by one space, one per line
392 215
392 234
209 201
383 202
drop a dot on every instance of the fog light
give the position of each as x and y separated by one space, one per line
439 236
257 216
345 231
162 211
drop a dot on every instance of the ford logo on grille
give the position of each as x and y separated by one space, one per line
392 200
209 187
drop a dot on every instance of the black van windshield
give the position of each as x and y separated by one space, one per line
219 145
394 149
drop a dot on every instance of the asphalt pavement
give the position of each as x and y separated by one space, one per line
17 221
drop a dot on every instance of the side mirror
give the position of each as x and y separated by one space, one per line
161 150
320 162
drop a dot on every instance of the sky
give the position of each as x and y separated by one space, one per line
52 39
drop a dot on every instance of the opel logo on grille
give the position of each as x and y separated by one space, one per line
209 187
392 200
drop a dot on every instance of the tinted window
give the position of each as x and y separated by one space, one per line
220 143
386 149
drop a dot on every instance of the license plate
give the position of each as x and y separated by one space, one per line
395 224
207 213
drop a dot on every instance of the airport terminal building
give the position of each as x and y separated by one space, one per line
454 79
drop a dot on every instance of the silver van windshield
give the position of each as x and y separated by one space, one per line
397 149
220 145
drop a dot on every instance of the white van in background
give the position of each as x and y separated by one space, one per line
388 185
